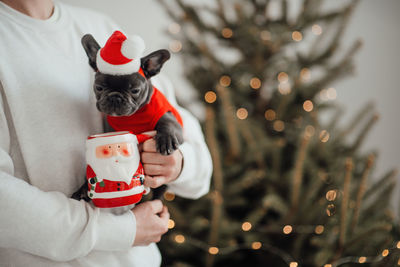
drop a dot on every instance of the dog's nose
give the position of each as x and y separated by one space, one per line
115 100
115 94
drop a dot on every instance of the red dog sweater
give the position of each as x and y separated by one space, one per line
146 118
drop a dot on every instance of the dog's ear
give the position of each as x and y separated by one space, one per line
152 63
91 47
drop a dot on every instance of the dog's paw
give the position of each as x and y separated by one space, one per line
167 143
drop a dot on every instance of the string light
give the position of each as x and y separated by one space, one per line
179 239
319 229
323 95
398 245
385 253
279 125
242 113
330 210
234 246
175 46
308 105
174 28
246 226
284 88
305 74
169 196
287 229
270 115
227 33
362 259
171 224
283 77
331 93
316 29
324 136
213 250
297 36
256 245
310 130
255 83
225 81
210 97
265 35
331 195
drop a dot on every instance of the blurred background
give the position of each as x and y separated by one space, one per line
303 170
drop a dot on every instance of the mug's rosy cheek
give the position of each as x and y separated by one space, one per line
103 152
125 152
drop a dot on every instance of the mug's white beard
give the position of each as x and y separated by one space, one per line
116 168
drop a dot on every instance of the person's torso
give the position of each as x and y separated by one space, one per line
47 86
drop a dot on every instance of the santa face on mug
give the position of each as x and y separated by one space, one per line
116 162
113 157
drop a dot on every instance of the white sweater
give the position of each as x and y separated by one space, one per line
47 110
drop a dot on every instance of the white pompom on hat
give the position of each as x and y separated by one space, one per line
133 47
120 55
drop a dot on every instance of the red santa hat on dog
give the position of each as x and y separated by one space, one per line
120 55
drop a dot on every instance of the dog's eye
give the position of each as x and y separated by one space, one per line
135 91
99 88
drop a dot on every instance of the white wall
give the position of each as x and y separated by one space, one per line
378 63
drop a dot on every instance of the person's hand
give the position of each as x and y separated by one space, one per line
159 169
151 222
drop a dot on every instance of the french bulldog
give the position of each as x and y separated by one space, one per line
123 95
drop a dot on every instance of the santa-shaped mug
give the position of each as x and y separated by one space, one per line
114 172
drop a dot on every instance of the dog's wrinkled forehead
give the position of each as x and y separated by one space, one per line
134 80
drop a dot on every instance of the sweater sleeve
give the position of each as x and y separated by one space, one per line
194 180
49 224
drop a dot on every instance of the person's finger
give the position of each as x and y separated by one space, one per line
155 181
149 181
153 158
153 169
150 146
164 214
156 206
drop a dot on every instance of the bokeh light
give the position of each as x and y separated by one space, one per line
297 36
255 83
213 250
279 125
246 226
308 105
287 229
179 239
210 97
175 46
242 113
270 115
256 245
316 29
227 33
225 81
174 28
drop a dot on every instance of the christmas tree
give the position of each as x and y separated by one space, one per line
289 186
